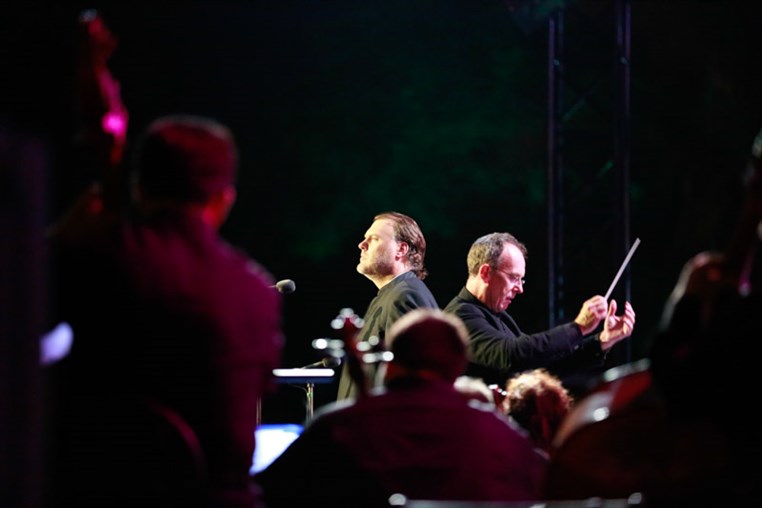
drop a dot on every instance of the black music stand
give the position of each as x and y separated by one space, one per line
307 377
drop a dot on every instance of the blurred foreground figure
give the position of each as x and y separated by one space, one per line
175 334
418 436
676 427
539 402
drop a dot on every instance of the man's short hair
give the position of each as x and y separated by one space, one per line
429 340
188 158
487 249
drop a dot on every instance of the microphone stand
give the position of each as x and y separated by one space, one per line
259 411
308 376
310 394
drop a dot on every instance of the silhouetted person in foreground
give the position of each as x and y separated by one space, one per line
539 402
417 436
176 333
677 427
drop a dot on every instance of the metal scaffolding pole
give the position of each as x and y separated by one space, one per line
622 140
568 97
555 169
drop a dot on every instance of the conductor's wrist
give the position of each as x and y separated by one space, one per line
584 329
606 340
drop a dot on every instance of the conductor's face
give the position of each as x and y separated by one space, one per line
506 280
378 250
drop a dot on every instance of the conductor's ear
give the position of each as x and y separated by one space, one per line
484 272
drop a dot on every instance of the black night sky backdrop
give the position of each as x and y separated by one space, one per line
343 109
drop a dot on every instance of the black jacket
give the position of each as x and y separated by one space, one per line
498 348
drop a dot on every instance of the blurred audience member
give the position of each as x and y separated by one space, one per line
475 389
416 436
658 429
175 332
538 401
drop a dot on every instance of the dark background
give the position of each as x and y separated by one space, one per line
438 109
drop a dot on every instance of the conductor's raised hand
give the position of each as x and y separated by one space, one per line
591 314
616 328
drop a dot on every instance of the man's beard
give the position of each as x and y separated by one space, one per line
377 267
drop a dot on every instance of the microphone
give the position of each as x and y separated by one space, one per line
285 286
327 362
